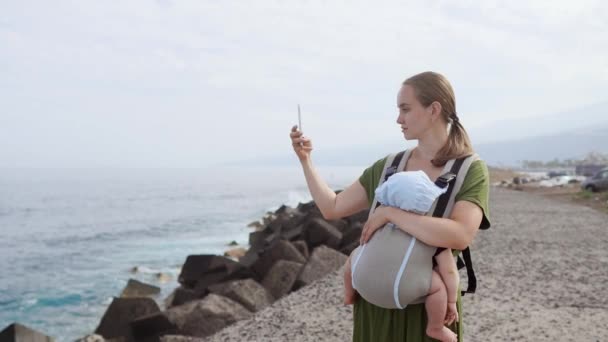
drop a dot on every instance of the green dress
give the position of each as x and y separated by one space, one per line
373 323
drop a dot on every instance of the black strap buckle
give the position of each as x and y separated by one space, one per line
445 179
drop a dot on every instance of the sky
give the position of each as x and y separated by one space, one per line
193 83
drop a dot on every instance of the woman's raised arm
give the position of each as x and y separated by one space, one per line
333 206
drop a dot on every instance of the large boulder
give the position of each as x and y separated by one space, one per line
351 237
235 253
180 296
294 232
201 271
280 250
18 333
251 257
197 267
360 217
282 277
352 234
320 232
322 261
263 238
310 209
121 312
151 327
247 292
302 248
206 316
180 338
136 288
340 224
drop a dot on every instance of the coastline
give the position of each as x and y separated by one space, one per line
539 274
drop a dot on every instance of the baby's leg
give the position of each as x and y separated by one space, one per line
349 292
446 266
435 305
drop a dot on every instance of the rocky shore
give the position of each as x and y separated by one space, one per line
541 273
289 249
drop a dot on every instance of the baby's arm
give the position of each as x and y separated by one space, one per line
446 266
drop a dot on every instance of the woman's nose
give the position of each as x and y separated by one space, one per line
399 119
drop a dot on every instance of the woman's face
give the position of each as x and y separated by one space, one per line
413 118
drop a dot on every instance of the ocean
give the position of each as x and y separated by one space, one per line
69 238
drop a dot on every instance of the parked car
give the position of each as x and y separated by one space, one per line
553 174
599 182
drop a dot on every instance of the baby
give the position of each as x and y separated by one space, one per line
415 192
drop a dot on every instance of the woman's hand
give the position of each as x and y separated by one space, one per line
301 145
376 221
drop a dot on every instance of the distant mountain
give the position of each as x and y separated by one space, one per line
570 134
568 144
594 115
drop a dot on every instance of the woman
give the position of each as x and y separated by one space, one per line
427 113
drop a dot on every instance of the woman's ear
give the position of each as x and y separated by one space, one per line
435 110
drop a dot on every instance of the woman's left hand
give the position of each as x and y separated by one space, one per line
376 221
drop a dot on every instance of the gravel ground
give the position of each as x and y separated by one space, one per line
542 274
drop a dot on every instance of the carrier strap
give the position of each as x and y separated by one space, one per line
441 206
391 170
466 254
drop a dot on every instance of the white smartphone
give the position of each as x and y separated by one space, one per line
299 119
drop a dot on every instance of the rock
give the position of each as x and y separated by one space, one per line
310 209
152 326
360 217
180 296
302 248
136 288
347 250
257 239
206 316
200 271
341 224
268 218
197 266
247 292
18 333
322 261
287 210
121 312
280 250
91 338
293 233
250 257
320 232
352 234
236 253
255 224
281 277
179 338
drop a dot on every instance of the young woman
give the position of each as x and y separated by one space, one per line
427 113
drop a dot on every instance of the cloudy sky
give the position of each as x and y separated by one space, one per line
192 83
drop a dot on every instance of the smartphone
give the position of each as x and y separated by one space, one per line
299 119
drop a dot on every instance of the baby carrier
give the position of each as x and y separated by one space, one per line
393 269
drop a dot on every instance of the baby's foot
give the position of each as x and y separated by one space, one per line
442 334
349 296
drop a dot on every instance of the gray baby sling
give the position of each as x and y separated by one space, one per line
393 269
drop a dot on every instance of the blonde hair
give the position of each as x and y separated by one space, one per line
430 87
